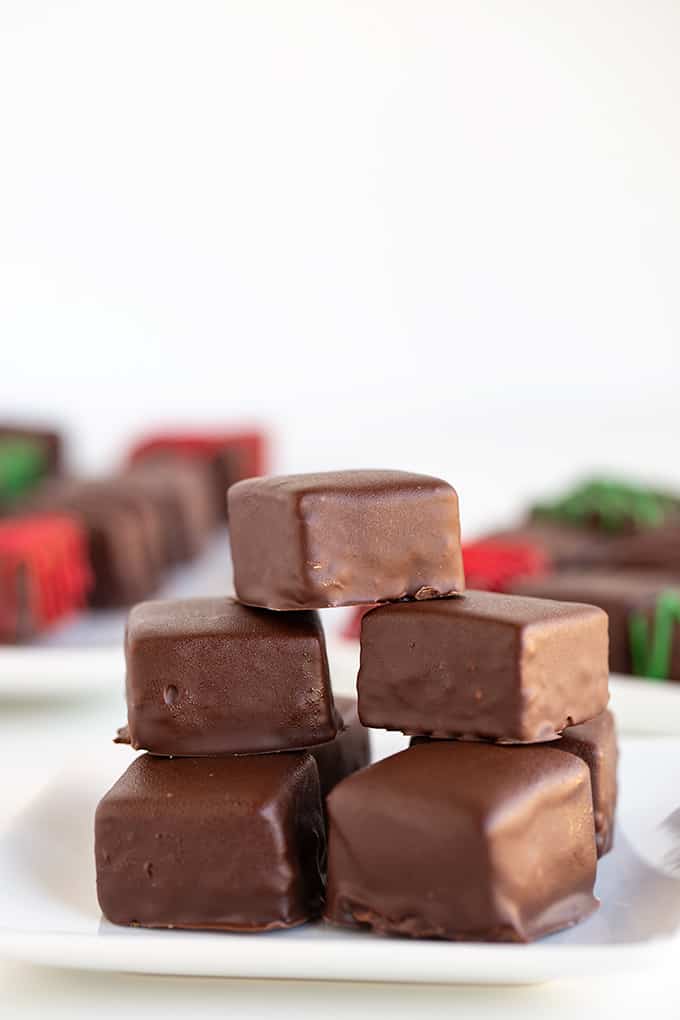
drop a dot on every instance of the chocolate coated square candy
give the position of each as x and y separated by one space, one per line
234 844
625 595
460 840
344 537
348 752
499 667
595 743
209 676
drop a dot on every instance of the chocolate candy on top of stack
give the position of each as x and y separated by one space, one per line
453 838
339 538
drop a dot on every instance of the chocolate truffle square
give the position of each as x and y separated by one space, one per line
348 752
497 667
464 841
208 676
235 844
344 537
595 743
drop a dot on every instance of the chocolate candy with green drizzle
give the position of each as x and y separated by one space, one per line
612 506
653 637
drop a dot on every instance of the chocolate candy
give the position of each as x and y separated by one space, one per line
563 546
628 525
234 844
182 492
124 530
348 752
595 743
612 505
44 574
625 596
344 537
49 440
498 667
22 465
209 676
228 456
462 840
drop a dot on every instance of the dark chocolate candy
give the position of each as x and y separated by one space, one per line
344 537
463 840
234 844
209 676
499 667
348 752
595 743
338 758
621 593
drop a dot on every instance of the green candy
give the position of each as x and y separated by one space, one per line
22 465
652 657
611 505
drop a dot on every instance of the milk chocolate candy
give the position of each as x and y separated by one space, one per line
344 537
595 743
623 595
463 841
491 666
338 758
208 676
234 844
348 752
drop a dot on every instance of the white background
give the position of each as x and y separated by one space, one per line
438 235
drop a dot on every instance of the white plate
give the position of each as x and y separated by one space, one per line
49 912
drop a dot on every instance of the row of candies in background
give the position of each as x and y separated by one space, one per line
607 543
69 543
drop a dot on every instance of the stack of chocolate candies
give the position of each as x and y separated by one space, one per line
452 838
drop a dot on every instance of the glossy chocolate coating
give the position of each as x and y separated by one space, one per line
234 844
595 743
338 758
463 841
618 592
497 667
341 538
209 676
348 752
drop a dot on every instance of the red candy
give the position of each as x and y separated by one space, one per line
492 565
250 447
44 573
